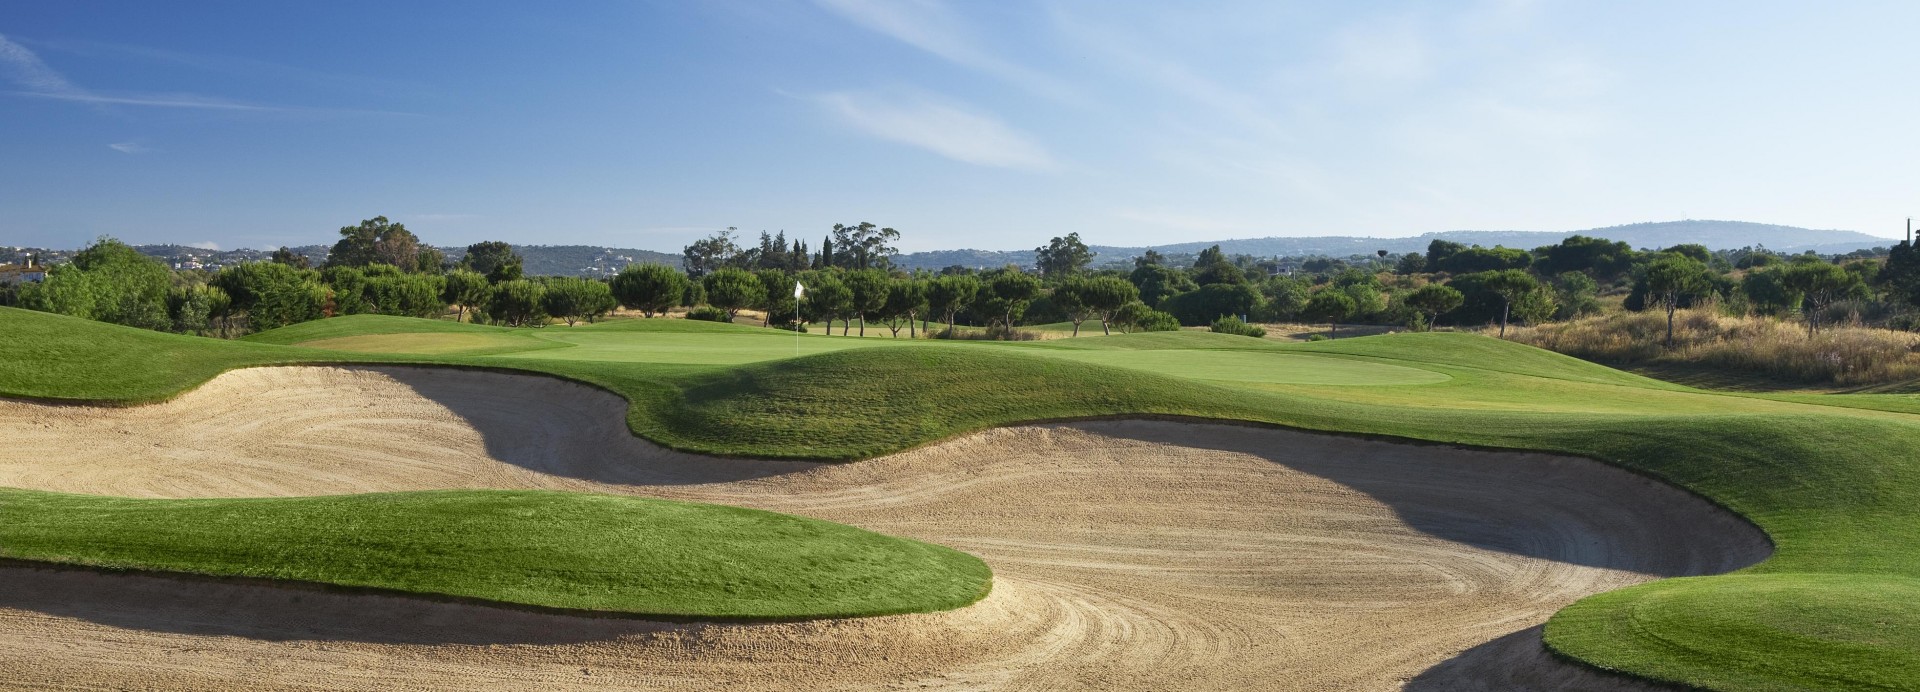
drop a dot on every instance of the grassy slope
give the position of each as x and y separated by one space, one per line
361 325
1837 488
434 343
57 357
549 549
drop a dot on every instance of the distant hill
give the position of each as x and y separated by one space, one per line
579 260
972 259
1713 234
595 260
541 260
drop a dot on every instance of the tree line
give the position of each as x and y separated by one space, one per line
1469 285
380 267
377 267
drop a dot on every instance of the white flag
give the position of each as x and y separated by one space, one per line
799 291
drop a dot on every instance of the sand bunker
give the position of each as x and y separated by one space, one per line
1128 555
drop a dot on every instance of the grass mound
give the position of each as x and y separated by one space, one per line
861 403
49 356
362 325
432 343
1797 631
1476 351
550 549
1157 341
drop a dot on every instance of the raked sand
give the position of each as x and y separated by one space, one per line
1127 555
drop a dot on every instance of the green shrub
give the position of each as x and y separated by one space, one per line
708 313
518 303
1157 321
109 281
407 295
1195 308
1233 325
1316 337
572 298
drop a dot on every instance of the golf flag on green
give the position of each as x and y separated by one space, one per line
799 291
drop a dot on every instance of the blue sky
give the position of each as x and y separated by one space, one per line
964 124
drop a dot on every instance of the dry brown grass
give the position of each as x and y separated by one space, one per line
1847 356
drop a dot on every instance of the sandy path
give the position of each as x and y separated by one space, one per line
1128 555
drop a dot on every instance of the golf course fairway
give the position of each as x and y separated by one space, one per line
1808 504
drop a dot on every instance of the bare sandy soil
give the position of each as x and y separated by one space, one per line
1128 555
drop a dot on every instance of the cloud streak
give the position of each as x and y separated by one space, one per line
158 101
223 64
24 68
34 79
129 147
943 128
931 26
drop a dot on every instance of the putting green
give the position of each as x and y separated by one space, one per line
1258 367
689 348
743 347
426 343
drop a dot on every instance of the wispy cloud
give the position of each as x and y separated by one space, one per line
129 147
223 64
159 101
938 126
931 26
33 78
205 245
25 69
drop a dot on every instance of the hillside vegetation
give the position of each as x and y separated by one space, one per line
1759 346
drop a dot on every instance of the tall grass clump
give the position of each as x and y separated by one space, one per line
1233 325
1757 345
991 333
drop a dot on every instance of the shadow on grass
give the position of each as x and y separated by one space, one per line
1517 661
203 607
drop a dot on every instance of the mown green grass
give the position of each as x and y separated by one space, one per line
361 325
1233 359
857 404
1240 367
733 346
57 357
1799 631
1833 480
548 549
433 343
